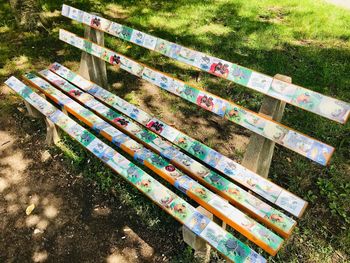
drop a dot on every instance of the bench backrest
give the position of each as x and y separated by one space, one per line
306 99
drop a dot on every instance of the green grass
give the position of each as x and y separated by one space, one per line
308 40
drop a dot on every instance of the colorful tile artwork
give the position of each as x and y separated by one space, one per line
216 160
167 200
335 110
167 150
221 107
142 154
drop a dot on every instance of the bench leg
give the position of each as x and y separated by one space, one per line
32 112
258 155
52 134
201 248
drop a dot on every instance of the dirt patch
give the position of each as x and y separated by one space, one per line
73 220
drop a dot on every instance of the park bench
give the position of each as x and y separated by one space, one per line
234 194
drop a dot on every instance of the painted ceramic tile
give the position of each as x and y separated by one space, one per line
65 10
197 222
150 42
134 174
184 183
205 101
290 203
76 14
333 109
112 131
163 81
239 74
282 90
99 126
170 170
160 144
189 93
213 157
220 67
217 181
155 126
87 18
184 159
220 106
142 155
163 46
306 99
169 153
177 87
132 67
149 75
170 133
300 144
202 192
163 196
198 150
115 29
186 55
275 131
259 82
227 166
126 33
320 152
181 210
137 37
234 113
174 51
183 141
97 147
203 61
253 122
120 139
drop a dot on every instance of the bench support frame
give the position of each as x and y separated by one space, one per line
258 155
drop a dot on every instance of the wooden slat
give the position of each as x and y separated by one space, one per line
306 99
220 239
265 188
283 135
251 204
269 241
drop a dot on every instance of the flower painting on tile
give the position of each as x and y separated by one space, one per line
220 68
234 113
220 106
205 101
163 46
275 131
320 152
253 122
300 144
213 157
174 50
150 42
198 150
334 109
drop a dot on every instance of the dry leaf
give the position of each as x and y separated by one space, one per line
128 47
30 209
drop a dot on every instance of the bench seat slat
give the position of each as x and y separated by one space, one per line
265 188
251 204
220 239
282 135
269 241
306 99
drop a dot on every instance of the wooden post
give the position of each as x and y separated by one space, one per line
52 134
91 67
201 248
258 155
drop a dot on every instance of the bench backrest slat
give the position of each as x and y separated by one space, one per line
306 99
283 135
235 171
201 225
270 242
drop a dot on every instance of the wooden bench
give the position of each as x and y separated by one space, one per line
168 152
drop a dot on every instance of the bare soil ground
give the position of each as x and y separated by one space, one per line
73 220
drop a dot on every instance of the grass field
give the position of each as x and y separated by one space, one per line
307 40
